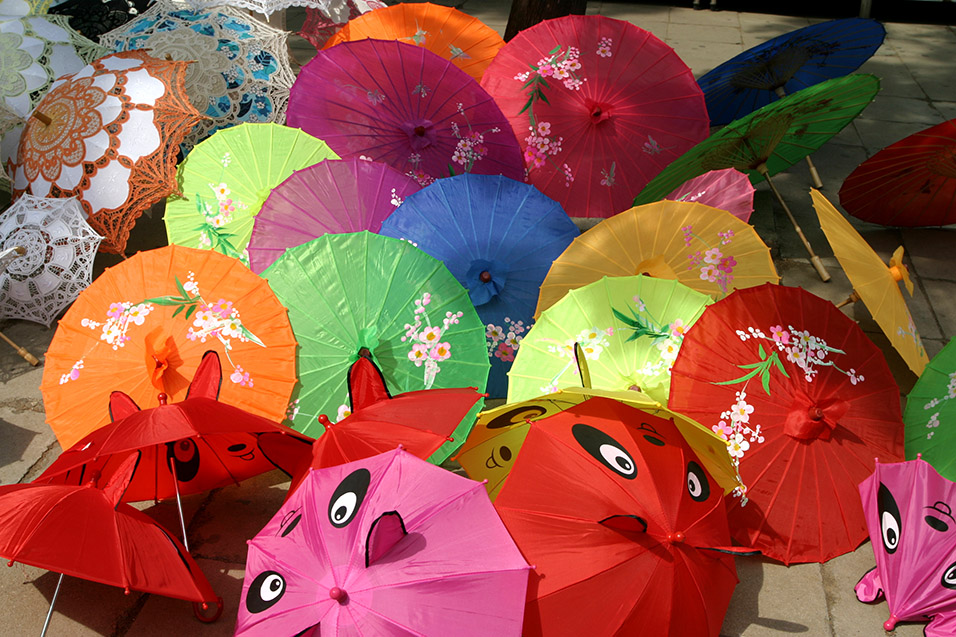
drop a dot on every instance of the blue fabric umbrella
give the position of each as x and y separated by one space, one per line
786 64
498 237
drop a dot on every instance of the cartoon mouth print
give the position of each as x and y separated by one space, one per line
242 451
504 453
936 522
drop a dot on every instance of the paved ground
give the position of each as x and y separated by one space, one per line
918 90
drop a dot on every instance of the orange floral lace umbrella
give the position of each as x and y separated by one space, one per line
108 135
464 40
143 326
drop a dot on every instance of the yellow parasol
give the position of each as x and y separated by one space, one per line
706 249
874 282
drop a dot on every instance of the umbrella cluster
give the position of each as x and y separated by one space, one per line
339 294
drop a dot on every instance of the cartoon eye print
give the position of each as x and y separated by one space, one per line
242 451
185 454
348 497
935 519
651 435
504 455
265 591
948 580
889 514
605 450
289 522
697 485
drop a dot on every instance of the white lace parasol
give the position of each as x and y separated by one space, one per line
58 260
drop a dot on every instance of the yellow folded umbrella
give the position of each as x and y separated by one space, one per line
705 248
875 283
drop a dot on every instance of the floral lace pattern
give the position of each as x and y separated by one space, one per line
239 72
427 347
503 341
933 423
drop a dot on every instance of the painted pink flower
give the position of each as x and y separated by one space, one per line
505 353
709 273
544 129
723 429
430 335
115 311
779 334
727 264
222 307
713 256
418 354
441 351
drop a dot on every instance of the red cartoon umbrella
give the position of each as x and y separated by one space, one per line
613 508
806 402
601 106
406 106
909 183
86 532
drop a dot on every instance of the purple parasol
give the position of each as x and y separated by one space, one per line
332 196
405 106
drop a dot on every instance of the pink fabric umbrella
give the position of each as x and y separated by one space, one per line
389 545
405 106
909 513
727 189
332 196
602 107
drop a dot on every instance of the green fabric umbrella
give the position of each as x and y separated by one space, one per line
930 403
227 177
629 328
771 139
346 292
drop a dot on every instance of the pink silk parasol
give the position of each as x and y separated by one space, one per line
405 106
727 189
601 105
387 545
332 196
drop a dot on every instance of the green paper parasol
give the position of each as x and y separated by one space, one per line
772 139
629 328
346 292
226 178
930 414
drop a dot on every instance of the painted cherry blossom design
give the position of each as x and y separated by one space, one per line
470 147
427 347
714 264
120 317
933 421
504 341
74 372
216 216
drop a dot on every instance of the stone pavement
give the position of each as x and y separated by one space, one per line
918 90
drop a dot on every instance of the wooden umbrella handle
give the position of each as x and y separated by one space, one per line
27 356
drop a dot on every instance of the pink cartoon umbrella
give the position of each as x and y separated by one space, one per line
601 105
727 189
405 106
389 545
909 513
332 196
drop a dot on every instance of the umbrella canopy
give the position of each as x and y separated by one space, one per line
806 401
323 22
190 446
498 237
332 196
875 283
108 139
617 515
352 292
630 329
96 18
86 532
57 264
788 63
225 180
239 69
385 545
405 106
909 514
909 183
704 248
493 446
602 107
932 401
143 326
458 37
727 189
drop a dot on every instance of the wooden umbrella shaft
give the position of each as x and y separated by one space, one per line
27 356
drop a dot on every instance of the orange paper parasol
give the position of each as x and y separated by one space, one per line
706 249
142 328
466 41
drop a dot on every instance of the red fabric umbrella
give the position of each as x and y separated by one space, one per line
909 183
419 421
86 532
209 443
405 106
614 510
601 105
806 402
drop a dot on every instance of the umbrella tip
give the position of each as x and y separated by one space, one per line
449 439
919 456
162 397
484 395
126 591
9 562
324 420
